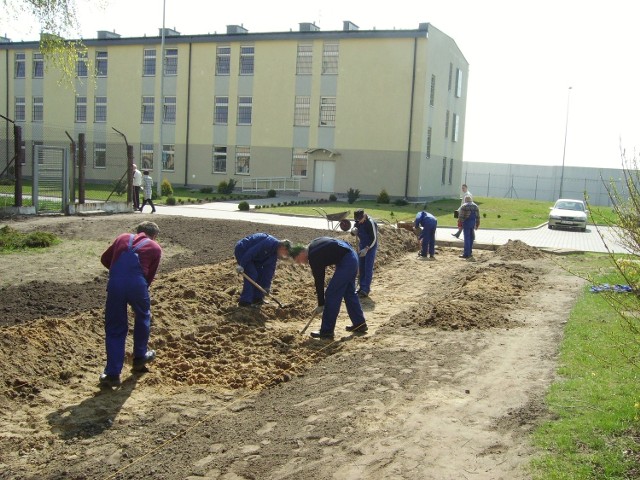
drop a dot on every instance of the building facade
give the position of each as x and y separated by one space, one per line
334 110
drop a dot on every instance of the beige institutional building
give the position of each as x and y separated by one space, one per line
321 111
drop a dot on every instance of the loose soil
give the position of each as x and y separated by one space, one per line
447 384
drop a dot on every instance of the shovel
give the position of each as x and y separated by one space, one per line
308 323
250 280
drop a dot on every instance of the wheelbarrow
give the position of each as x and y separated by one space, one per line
336 220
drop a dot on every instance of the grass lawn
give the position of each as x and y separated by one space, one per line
596 432
506 213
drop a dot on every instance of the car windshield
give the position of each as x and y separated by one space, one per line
578 206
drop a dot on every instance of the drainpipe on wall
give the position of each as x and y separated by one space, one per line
186 151
413 87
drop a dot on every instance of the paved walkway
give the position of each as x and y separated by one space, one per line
541 237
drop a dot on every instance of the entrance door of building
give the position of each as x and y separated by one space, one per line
324 176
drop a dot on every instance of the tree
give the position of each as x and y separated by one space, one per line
58 20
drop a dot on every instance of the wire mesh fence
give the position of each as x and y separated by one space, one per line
105 161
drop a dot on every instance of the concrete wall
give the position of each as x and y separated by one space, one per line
540 182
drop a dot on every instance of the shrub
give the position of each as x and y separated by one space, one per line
171 200
225 187
333 198
353 195
383 197
119 187
166 189
206 190
244 206
271 193
401 202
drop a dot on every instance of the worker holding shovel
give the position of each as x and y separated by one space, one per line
319 254
257 255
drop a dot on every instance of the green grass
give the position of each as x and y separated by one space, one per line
495 212
11 240
595 433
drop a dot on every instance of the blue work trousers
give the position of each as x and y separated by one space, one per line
342 286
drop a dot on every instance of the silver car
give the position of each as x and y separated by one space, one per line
568 213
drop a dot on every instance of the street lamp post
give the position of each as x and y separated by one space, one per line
564 150
158 165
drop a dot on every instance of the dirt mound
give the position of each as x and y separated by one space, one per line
480 299
518 250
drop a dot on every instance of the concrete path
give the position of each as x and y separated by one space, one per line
541 237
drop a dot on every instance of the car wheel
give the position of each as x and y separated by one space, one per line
550 227
583 229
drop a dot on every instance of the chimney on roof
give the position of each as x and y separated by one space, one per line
423 26
5 39
169 32
236 29
348 26
104 34
309 27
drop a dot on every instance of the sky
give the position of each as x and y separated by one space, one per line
539 72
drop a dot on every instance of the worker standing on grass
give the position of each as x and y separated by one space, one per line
132 261
468 221
319 254
257 255
367 231
427 224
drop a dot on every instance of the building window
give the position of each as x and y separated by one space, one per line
38 65
299 163
102 62
330 59
245 108
146 156
327 111
100 155
81 65
450 75
243 160
149 62
302 112
169 110
456 127
20 64
148 109
221 111
247 60
458 83
171 61
81 109
223 60
38 109
429 142
100 110
444 169
450 171
432 95
219 159
446 125
305 59
20 111
168 157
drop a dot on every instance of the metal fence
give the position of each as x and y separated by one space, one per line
104 156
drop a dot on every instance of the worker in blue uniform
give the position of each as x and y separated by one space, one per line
427 224
367 231
319 254
257 255
132 261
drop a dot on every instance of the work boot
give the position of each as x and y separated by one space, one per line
140 364
457 235
244 304
109 381
260 301
322 335
361 328
362 294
